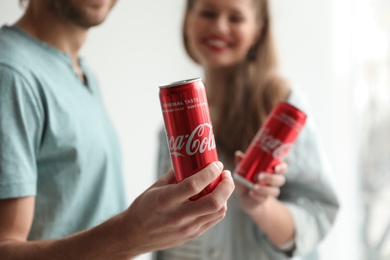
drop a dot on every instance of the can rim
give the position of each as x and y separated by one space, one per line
180 82
296 109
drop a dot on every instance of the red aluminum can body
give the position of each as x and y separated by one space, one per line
271 144
188 128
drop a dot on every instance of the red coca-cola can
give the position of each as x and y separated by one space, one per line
271 144
188 129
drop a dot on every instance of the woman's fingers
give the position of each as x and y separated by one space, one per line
238 156
281 168
259 191
272 179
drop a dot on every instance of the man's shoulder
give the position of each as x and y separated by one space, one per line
20 51
10 40
13 50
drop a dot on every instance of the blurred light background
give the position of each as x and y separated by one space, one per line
337 52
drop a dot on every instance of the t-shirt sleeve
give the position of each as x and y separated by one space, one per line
309 192
163 158
21 124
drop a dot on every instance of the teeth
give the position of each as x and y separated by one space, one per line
217 43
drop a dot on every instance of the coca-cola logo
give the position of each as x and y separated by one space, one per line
201 139
272 145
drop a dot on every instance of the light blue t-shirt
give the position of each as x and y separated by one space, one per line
56 141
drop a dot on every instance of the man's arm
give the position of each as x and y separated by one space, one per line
16 216
159 218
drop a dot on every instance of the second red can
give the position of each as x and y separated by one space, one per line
271 143
188 129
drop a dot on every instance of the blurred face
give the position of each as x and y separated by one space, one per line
84 13
221 32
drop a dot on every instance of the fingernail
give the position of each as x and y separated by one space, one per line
219 165
256 187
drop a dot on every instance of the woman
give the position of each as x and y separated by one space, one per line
231 40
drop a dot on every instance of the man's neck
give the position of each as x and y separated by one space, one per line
55 31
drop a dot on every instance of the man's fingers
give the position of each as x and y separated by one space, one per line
212 219
195 183
166 179
214 201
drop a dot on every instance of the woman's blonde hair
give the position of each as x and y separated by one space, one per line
251 91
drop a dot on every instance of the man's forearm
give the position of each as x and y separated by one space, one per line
105 241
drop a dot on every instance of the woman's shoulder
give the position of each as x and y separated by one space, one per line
298 99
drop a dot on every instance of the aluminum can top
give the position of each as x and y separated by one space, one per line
180 83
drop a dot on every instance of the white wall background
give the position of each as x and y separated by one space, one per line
139 47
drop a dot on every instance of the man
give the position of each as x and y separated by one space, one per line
61 194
